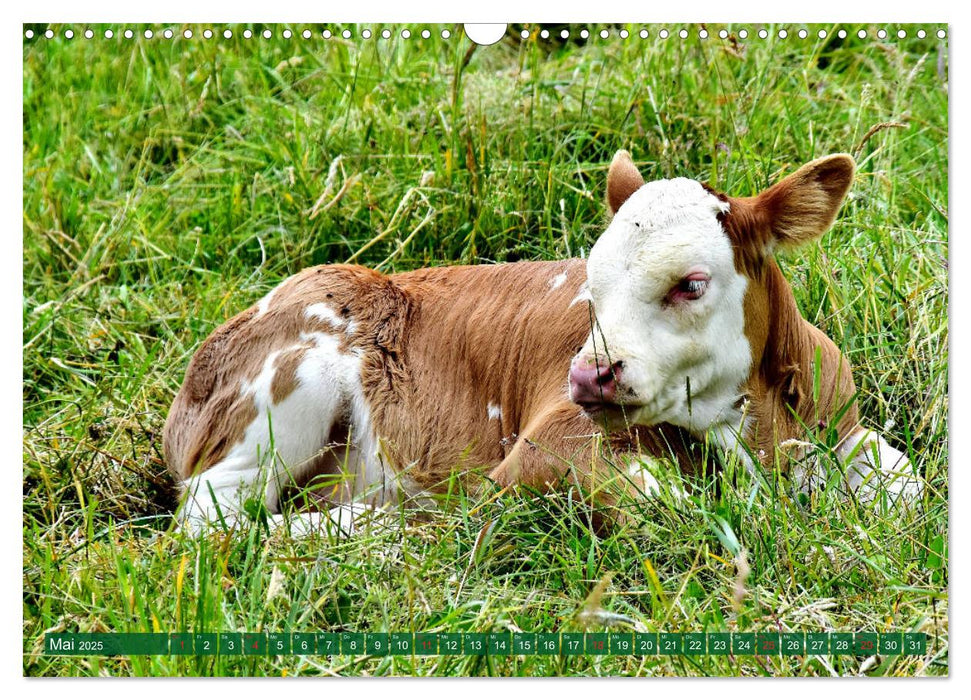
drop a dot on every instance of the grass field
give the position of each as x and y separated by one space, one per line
170 183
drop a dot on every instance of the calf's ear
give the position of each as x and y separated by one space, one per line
803 206
623 180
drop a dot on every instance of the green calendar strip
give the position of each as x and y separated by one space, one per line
488 643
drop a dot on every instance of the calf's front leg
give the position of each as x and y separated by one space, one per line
562 448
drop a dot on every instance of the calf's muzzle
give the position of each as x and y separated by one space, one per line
593 381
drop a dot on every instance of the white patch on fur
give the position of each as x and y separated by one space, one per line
640 473
493 411
322 312
661 232
872 462
583 294
730 436
328 391
870 465
557 281
264 304
648 483
259 388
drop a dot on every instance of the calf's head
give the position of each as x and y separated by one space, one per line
680 295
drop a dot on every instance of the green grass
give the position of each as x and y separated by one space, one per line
168 184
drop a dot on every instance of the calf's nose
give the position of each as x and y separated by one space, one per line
592 382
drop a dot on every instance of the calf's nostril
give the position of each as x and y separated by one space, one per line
607 374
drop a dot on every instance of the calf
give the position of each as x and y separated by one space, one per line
680 326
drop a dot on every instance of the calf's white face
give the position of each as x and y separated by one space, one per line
668 304
667 344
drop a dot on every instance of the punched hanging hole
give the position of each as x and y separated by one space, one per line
485 34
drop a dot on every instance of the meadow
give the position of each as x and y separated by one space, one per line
170 183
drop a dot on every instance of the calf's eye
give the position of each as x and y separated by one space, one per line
691 287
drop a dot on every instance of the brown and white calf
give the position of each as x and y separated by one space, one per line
679 326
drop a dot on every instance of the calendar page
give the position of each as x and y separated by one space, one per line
521 349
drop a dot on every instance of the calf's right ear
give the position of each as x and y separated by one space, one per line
623 180
803 205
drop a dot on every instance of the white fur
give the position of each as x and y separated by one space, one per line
730 436
869 463
872 464
558 281
328 390
493 411
639 470
323 312
583 294
264 304
643 478
661 232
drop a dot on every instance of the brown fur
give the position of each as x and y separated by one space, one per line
492 334
210 414
784 345
623 180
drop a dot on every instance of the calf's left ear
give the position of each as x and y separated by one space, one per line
803 206
623 180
